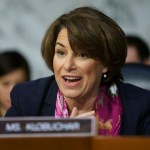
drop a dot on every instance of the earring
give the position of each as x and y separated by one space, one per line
104 75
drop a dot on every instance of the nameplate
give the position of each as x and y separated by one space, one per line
46 126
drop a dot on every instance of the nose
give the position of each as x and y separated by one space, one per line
69 63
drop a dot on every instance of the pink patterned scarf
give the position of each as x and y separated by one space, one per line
107 106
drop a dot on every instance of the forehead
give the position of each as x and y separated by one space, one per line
16 75
62 39
63 34
75 42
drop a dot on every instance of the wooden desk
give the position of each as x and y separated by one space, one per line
120 143
75 143
46 143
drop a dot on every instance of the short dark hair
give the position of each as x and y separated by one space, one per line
140 45
93 32
11 60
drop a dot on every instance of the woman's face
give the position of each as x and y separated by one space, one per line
77 76
6 84
132 55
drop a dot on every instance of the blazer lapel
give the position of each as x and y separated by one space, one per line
50 101
127 126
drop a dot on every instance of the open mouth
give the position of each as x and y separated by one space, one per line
72 81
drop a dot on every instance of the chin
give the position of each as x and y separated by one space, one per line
70 95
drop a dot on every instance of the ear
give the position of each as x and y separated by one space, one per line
105 69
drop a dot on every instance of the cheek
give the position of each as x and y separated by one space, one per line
55 64
2 91
56 69
93 70
5 90
4 96
94 75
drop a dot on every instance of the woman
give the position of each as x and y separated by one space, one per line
86 50
137 50
13 69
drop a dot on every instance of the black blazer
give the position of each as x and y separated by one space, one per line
38 97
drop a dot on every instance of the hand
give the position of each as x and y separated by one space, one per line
74 113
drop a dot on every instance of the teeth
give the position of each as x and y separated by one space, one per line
71 78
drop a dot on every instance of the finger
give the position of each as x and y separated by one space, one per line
87 114
74 112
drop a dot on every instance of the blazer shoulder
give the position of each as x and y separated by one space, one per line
27 97
136 109
32 87
135 99
132 90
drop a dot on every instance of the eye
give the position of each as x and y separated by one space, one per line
60 53
82 55
6 84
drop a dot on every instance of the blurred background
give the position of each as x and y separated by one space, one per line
24 22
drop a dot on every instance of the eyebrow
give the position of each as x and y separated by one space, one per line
60 44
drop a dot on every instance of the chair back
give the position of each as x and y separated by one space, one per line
137 74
